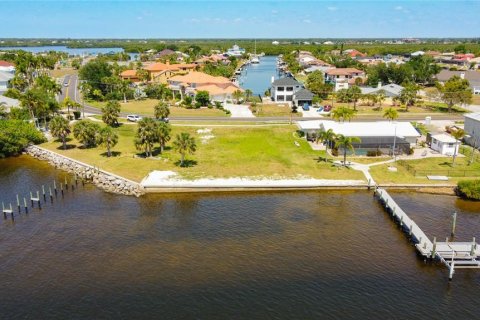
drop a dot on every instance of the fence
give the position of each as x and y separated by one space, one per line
446 172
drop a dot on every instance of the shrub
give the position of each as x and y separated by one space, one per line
76 114
374 153
469 189
16 135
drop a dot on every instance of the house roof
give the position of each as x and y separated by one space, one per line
129 73
4 63
199 78
445 138
303 94
5 76
473 116
444 75
363 129
9 101
159 66
343 71
219 89
165 52
287 81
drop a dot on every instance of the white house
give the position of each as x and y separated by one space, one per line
445 144
9 103
5 77
472 129
283 89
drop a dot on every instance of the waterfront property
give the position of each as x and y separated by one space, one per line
472 129
6 66
235 51
284 89
375 136
342 78
219 88
444 144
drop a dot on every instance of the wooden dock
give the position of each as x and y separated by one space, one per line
460 255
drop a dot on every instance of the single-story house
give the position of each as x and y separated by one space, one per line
5 78
283 89
473 78
472 129
7 66
390 90
303 97
375 135
9 103
444 144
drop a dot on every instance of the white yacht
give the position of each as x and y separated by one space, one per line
255 59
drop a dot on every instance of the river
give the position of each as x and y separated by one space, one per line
258 77
70 51
262 255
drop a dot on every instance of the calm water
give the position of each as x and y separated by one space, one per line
70 51
286 255
258 77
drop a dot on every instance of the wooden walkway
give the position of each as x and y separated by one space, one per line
460 255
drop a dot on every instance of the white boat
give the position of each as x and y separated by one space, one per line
255 59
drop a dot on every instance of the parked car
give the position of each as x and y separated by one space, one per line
327 108
166 120
306 107
134 118
320 109
65 84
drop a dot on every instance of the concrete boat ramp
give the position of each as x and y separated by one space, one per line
454 255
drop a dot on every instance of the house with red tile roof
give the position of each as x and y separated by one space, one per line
7 66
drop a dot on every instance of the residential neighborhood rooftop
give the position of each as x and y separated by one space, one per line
287 81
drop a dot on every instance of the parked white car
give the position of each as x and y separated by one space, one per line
134 118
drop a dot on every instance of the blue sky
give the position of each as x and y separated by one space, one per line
240 19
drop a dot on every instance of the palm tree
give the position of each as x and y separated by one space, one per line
184 144
380 97
390 114
347 144
458 135
343 113
68 103
111 112
60 128
237 95
163 134
248 94
108 138
161 110
327 137
146 136
86 132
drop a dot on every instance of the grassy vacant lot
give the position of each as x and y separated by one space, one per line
60 73
274 110
476 99
233 152
145 107
424 167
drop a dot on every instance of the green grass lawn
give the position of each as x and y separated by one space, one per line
274 110
145 107
429 166
233 152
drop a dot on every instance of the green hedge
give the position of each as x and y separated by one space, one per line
16 135
469 189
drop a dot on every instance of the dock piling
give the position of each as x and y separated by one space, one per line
18 204
61 189
51 195
434 248
454 223
43 192
25 204
66 183
55 187
474 246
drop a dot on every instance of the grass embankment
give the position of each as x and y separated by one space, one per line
273 110
469 189
419 169
240 152
145 107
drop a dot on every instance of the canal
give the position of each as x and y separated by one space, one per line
264 255
258 77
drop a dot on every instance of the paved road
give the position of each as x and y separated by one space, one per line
74 94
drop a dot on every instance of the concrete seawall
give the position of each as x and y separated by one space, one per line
104 180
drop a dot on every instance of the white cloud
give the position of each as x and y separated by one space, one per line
332 8
398 8
307 20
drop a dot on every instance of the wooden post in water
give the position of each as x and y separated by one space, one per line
55 187
3 210
452 267
411 230
454 223
401 221
76 182
51 195
38 199
472 251
44 195
369 182
434 248
73 186
18 204
31 198
61 188
66 183
25 204
11 212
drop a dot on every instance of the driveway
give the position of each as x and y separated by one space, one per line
239 110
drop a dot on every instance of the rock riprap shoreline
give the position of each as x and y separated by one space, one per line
104 180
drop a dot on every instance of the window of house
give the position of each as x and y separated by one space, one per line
281 89
281 98
451 145
289 88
